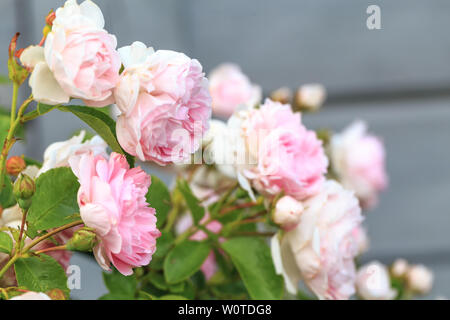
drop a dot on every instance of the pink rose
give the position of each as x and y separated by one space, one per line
112 201
289 157
359 161
79 59
165 104
322 248
229 88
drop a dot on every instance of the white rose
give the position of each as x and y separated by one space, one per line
322 247
58 154
373 282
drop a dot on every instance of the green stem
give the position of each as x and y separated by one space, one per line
9 264
14 103
177 200
20 253
15 122
51 233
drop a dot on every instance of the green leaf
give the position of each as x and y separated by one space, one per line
163 244
6 243
158 197
185 259
6 195
253 260
102 124
41 274
118 284
197 210
55 201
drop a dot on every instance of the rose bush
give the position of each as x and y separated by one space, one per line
264 176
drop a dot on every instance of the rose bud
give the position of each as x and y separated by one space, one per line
282 95
83 239
420 279
15 165
310 97
287 212
399 268
23 190
373 282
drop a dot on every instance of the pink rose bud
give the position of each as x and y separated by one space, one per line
373 282
399 268
15 165
419 279
287 212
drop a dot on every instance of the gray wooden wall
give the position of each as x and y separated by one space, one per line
397 78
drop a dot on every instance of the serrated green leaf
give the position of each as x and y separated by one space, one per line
253 260
55 201
6 243
158 197
121 285
41 274
103 124
194 205
185 259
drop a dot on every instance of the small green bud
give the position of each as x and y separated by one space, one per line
24 187
83 239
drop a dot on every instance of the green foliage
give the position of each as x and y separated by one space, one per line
194 205
55 201
158 197
253 260
102 124
184 260
6 195
41 274
120 287
6 243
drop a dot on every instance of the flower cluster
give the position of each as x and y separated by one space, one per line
266 176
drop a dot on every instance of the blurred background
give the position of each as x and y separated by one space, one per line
396 78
